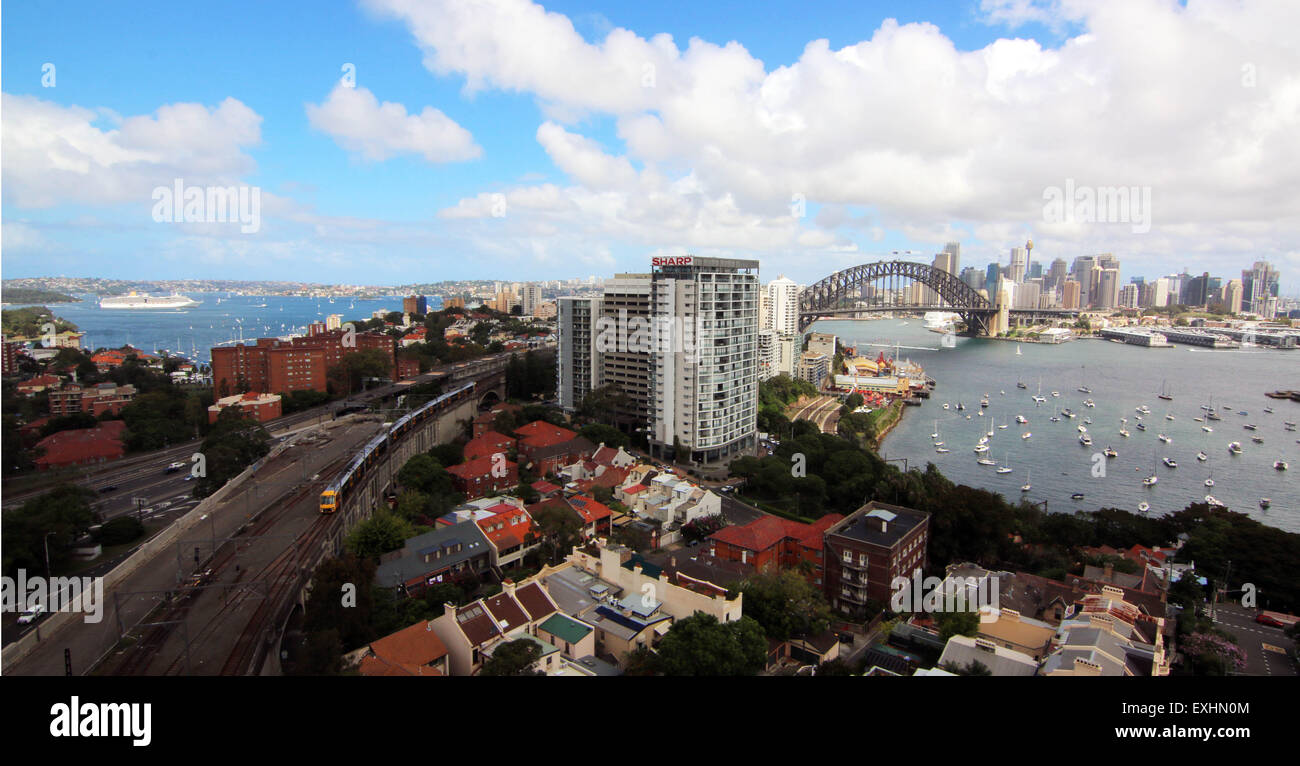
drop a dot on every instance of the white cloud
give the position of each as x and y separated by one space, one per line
57 154
356 121
905 124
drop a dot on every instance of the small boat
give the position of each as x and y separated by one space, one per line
1235 448
1087 421
1124 432
1142 410
1021 419
1198 420
1025 435
1209 482
1243 413
1021 385
1056 394
1002 393
1085 440
1110 452
961 406
1201 456
945 405
942 450
1268 410
1257 439
1209 500
1164 438
1249 427
1002 427
1089 403
986 461
1141 426
935 435
1281 465
1018 349
1168 416
1264 503
938 444
1289 426
1077 496
984 440
1083 429
1144 506
1026 486
985 401
1003 469
1150 481
1207 429
1054 419
1068 413
1171 462
1040 399
982 448
1164 392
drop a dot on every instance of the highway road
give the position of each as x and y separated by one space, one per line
1267 648
820 411
300 469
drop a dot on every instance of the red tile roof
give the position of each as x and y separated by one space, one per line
478 468
103 442
589 509
539 433
507 527
415 645
765 532
487 443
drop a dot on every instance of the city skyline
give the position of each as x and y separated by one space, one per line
384 147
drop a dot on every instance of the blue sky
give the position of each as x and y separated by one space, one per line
935 126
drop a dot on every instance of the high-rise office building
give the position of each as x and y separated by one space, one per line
1128 296
415 304
1108 287
973 277
1071 295
1056 274
627 328
530 297
1232 293
1019 265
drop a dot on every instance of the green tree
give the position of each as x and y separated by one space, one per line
958 624
785 605
378 535
348 374
701 646
514 658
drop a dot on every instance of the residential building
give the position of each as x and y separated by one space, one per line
453 554
82 446
484 475
416 305
412 651
963 651
578 364
252 406
781 306
770 544
868 549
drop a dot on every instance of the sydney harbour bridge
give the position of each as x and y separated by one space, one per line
887 286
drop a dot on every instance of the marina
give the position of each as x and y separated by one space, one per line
1123 379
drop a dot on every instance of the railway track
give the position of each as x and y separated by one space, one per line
139 658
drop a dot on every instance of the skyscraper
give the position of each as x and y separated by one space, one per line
1019 265
705 398
782 306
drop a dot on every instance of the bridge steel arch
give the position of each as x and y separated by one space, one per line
837 293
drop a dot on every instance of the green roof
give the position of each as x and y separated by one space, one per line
565 628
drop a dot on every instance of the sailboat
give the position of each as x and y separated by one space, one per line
935 435
1039 398
1164 391
1209 480
1151 480
1018 349
1083 386
1004 468
1026 486
990 433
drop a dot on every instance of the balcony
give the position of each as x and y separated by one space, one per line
851 563
854 596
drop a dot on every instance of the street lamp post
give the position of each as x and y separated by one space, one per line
48 573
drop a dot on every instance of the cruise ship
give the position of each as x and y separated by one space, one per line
134 301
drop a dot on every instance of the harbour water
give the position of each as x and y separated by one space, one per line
220 319
1121 378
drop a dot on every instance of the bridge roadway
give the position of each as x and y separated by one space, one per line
277 490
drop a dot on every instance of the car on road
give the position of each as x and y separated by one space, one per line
107 488
30 614
174 467
1269 620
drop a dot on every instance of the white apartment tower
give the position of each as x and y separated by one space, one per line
781 307
705 393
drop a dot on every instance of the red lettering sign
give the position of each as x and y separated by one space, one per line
672 261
